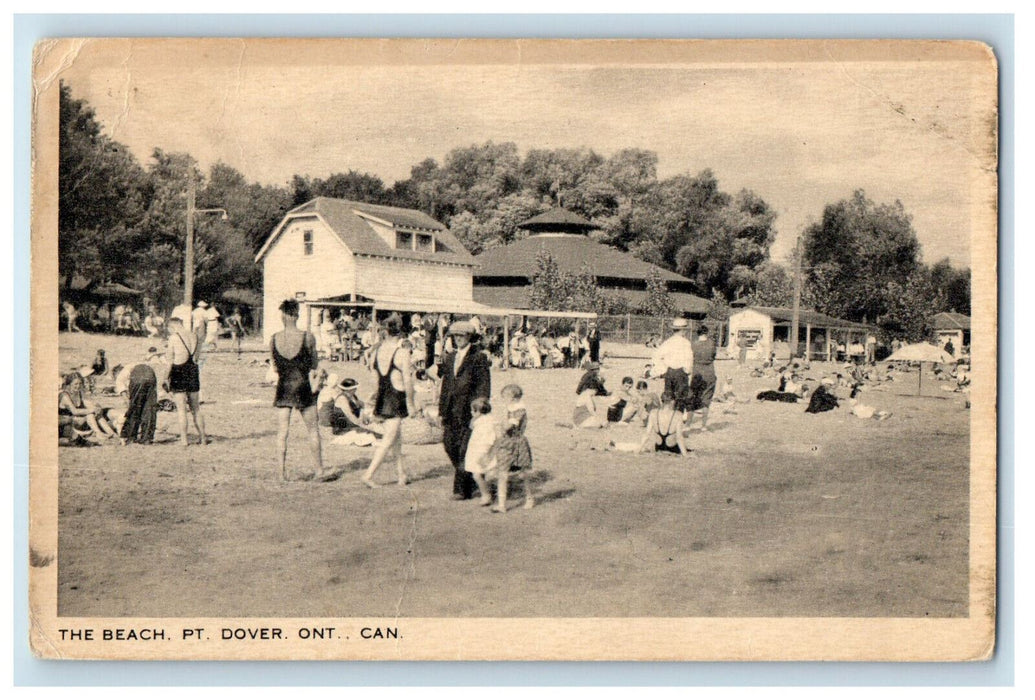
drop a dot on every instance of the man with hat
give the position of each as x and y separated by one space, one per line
465 377
674 360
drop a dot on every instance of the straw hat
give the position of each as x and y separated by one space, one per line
680 324
461 328
347 384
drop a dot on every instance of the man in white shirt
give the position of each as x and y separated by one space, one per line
674 360
211 327
197 319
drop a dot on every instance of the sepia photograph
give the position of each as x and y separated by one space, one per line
513 349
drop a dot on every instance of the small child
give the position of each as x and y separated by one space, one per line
512 451
479 459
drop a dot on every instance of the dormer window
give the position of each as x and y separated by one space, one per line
425 243
307 241
403 240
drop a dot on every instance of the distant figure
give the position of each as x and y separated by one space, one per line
236 325
211 328
71 317
593 338
702 385
154 324
949 348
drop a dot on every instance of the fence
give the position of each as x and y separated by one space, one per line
640 330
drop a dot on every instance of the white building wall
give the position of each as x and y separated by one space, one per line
751 322
330 270
415 280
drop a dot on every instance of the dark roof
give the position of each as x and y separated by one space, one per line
947 320
557 219
520 298
807 316
357 234
571 252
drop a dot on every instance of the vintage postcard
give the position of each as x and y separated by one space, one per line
513 349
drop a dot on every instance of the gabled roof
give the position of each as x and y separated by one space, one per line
559 219
950 321
806 316
571 252
344 218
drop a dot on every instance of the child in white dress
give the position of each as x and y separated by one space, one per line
479 460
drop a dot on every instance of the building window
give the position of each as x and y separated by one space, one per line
307 240
425 243
403 240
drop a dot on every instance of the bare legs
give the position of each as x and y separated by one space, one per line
312 427
502 489
391 442
185 402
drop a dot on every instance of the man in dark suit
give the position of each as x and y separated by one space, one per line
465 377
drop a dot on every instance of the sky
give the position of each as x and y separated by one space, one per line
800 133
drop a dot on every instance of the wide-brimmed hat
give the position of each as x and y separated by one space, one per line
461 328
203 304
680 323
347 384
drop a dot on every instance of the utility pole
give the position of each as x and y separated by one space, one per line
188 256
796 303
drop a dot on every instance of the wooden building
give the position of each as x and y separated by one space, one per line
763 329
951 326
335 252
504 275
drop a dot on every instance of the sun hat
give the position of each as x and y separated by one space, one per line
202 304
181 312
680 323
461 328
347 384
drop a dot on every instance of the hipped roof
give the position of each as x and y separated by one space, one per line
558 219
521 297
571 252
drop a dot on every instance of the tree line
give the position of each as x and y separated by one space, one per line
124 221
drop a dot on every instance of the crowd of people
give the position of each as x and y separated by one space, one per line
126 319
433 382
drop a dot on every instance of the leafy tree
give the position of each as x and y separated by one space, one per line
657 302
952 286
99 196
856 252
548 284
909 307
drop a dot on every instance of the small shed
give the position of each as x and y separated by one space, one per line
761 328
950 326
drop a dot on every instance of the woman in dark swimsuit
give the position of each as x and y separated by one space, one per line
183 380
391 364
293 353
665 428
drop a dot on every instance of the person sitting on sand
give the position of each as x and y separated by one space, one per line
86 415
587 414
339 408
622 400
663 433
